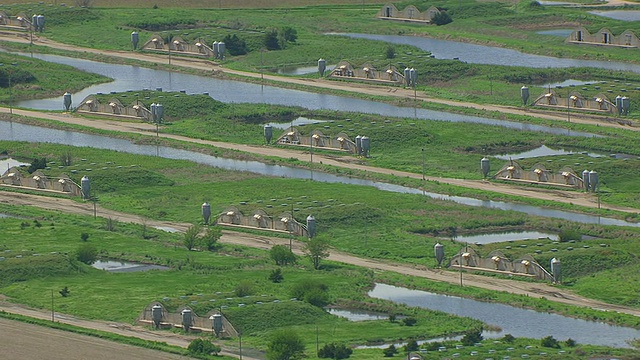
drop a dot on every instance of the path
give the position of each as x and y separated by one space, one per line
266 242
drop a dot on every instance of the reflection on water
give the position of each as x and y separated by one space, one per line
123 266
544 151
507 236
21 132
136 78
624 15
515 321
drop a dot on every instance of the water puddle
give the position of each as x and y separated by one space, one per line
563 33
358 315
544 151
507 236
569 83
302 70
515 321
123 266
301 121
168 229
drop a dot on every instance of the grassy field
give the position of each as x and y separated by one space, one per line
352 218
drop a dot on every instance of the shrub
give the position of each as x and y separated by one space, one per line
276 276
203 347
550 342
84 236
471 337
390 351
87 254
244 289
569 234
285 345
390 53
442 18
570 342
412 345
335 351
235 45
282 255
311 291
64 292
37 164
508 338
409 321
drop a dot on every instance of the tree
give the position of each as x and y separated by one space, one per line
289 34
210 238
285 345
64 292
271 40
191 237
442 18
472 337
335 351
409 321
276 276
235 45
390 53
311 291
412 345
87 254
84 236
390 351
570 342
37 164
203 347
282 255
550 342
316 249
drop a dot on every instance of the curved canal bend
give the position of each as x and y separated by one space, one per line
19 132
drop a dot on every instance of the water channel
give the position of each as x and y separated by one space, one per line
482 54
515 321
19 132
137 79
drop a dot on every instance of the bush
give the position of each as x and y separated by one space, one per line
390 351
412 345
390 53
84 236
285 345
409 321
37 164
234 45
203 347
244 289
87 254
570 342
550 342
311 291
471 337
442 18
508 338
282 255
276 276
335 351
64 292
569 234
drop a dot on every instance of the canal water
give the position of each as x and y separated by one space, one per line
127 77
482 54
515 321
19 132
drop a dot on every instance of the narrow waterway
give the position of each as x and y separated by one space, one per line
515 321
134 78
482 54
20 132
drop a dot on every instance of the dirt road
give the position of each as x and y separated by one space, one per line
265 242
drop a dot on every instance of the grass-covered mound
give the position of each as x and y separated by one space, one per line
20 269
